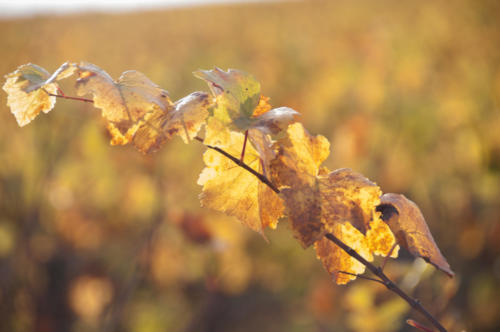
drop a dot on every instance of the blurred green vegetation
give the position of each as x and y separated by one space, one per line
94 237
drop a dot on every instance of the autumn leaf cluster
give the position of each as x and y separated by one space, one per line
262 165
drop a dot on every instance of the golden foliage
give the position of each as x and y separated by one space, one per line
28 89
232 189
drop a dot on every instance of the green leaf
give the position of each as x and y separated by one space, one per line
237 95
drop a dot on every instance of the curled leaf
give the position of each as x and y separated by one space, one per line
347 196
29 88
274 121
408 224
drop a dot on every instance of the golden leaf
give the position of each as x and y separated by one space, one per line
408 224
347 196
294 171
124 103
28 90
184 118
262 107
232 189
378 240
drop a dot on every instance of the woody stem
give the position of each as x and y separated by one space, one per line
388 283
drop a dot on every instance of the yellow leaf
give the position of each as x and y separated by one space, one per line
378 241
28 90
124 103
232 189
347 196
294 171
184 118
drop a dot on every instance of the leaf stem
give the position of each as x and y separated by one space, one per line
361 276
388 283
62 95
244 146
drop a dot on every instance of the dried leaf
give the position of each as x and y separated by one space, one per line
408 224
294 171
28 90
124 103
231 189
347 196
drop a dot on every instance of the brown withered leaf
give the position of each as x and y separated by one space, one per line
28 90
408 224
232 189
185 118
294 170
124 103
377 241
347 196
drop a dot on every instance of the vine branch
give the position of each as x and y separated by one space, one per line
240 163
388 283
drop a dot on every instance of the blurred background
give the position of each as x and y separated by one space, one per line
101 238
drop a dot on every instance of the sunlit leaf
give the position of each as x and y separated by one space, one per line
28 90
275 120
188 116
124 103
347 196
237 95
239 104
408 224
294 171
184 118
378 240
231 189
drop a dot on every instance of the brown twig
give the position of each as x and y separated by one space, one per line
238 162
415 304
361 276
